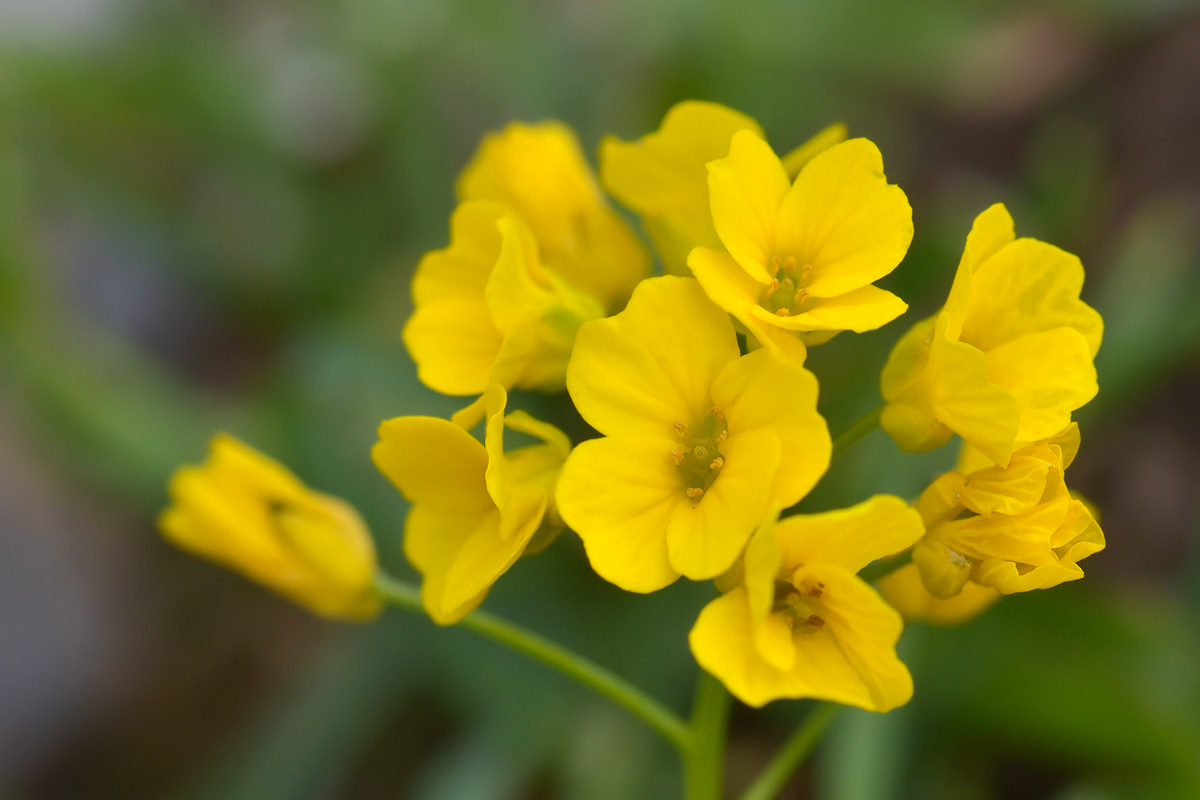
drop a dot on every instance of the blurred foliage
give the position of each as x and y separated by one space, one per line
209 213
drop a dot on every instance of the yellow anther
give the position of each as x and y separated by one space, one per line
774 287
801 295
677 457
681 428
783 312
716 412
806 271
789 263
722 436
694 492
816 592
775 262
717 463
814 621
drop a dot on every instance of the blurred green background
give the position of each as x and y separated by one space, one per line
209 214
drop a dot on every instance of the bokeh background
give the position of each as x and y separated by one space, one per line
209 215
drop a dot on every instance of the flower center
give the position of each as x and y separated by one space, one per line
800 604
787 293
698 456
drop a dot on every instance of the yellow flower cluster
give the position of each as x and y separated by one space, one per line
706 440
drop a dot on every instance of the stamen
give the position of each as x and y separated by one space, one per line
677 457
804 273
722 436
801 295
694 492
789 263
783 312
700 452
681 428
814 621
774 287
716 412
717 463
775 262
816 592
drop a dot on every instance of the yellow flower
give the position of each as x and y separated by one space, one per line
698 441
1013 528
487 310
539 172
907 594
475 508
802 623
1008 358
663 177
802 257
247 512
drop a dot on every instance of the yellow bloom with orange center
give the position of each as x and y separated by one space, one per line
801 623
247 512
535 250
1014 528
698 441
1007 360
663 176
801 258
475 509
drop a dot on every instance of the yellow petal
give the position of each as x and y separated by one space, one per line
866 630
664 172
705 537
967 402
943 571
907 387
1050 374
1011 490
844 219
619 494
745 190
826 138
652 365
539 171
1026 287
451 335
433 538
992 230
434 463
858 310
850 538
763 391
908 595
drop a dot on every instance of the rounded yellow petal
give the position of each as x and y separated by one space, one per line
991 230
434 463
907 594
745 190
859 310
1027 287
966 400
850 538
651 366
763 391
451 335
619 495
844 219
1049 374
433 538
539 171
705 537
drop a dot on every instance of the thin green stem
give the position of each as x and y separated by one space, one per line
704 760
789 758
886 566
592 675
857 430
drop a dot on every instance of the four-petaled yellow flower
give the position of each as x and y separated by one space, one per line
698 441
1014 528
535 250
663 177
802 257
802 623
475 508
1008 358
247 512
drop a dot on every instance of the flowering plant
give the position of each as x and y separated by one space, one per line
707 417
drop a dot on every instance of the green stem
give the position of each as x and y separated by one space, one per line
857 430
615 688
789 758
886 566
704 760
